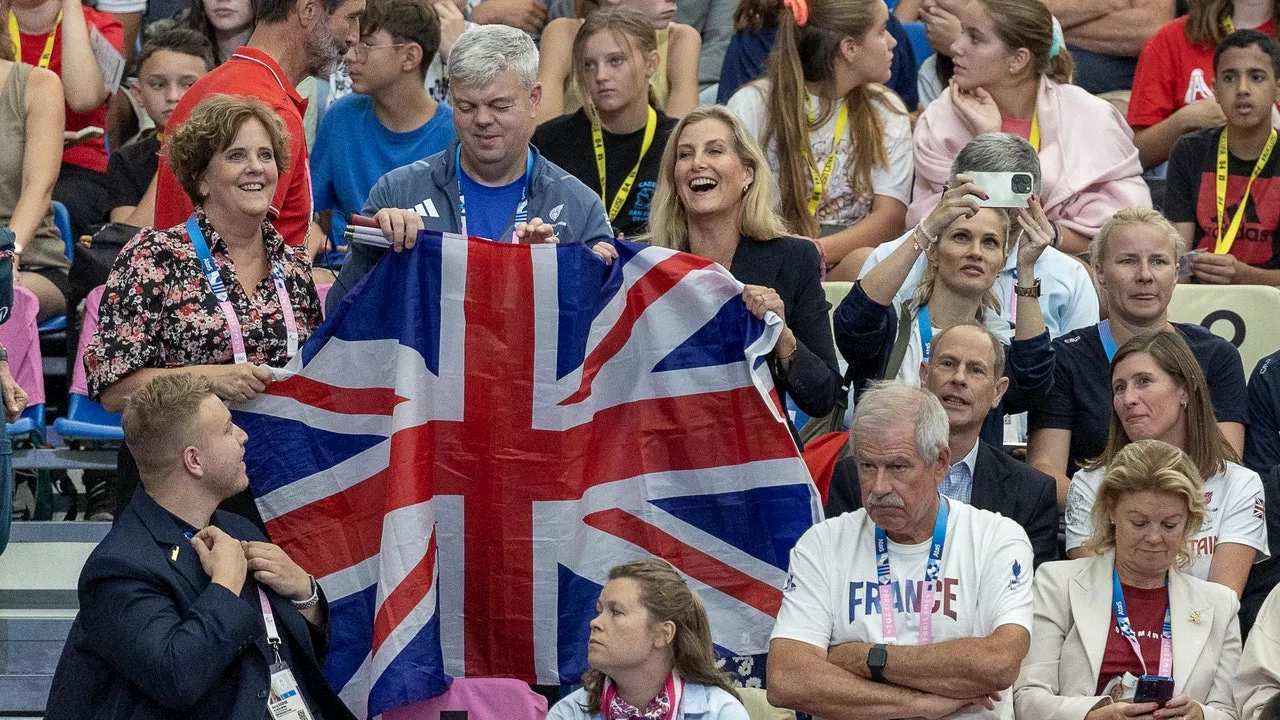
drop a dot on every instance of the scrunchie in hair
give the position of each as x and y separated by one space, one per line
1058 39
799 10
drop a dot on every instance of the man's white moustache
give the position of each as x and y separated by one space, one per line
889 501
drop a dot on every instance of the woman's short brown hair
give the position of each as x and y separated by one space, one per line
1148 466
211 129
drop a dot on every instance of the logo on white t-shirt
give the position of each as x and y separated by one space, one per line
1018 575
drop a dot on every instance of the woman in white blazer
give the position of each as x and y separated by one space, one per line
1258 678
1082 665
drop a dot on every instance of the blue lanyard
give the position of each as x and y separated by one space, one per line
522 210
888 623
1108 342
206 260
926 330
1126 628
234 331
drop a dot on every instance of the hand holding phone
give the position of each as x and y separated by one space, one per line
1004 189
1153 688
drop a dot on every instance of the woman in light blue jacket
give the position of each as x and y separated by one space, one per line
650 653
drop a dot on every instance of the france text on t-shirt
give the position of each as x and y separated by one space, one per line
490 209
832 597
1236 513
1191 196
1081 397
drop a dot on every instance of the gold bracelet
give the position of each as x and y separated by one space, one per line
780 358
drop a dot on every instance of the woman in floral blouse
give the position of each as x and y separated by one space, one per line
220 295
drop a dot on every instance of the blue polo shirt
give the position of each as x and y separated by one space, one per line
1262 442
353 149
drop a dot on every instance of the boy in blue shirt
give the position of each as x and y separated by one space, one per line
391 120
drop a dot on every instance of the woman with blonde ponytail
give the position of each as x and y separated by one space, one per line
840 141
1012 74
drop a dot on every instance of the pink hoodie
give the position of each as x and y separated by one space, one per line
1088 163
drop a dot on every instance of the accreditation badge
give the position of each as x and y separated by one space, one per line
286 702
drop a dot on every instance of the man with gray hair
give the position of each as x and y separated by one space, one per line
851 639
490 182
1067 298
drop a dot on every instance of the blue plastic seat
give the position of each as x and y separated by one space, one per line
62 219
29 426
87 420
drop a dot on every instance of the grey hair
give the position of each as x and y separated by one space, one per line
885 403
483 51
998 152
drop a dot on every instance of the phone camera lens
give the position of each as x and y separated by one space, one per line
1021 183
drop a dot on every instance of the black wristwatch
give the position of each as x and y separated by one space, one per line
877 656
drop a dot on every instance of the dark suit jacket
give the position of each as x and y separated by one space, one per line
791 267
1000 484
156 639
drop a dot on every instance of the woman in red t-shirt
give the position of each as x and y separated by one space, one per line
1105 620
62 35
1173 85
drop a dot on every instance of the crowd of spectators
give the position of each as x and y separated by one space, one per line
233 142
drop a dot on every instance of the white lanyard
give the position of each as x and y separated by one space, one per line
269 619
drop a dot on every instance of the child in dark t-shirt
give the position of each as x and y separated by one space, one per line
168 65
1239 243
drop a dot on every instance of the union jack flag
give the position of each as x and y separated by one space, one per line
1259 507
481 430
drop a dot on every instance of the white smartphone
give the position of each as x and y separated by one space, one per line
1004 189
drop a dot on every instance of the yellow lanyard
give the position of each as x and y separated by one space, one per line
1223 246
16 38
820 180
597 140
1035 131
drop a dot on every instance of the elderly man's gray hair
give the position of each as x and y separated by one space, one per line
886 403
998 152
483 51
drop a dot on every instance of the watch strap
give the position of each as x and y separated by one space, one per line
311 601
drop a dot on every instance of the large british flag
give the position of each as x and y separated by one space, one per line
481 430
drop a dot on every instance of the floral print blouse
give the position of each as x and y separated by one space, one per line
158 310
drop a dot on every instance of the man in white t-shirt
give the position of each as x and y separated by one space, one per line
1067 298
838 651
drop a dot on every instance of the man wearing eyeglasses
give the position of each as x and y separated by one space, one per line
489 183
390 122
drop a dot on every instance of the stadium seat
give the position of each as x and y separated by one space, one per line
62 219
323 291
86 419
478 699
1244 314
21 338
758 707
